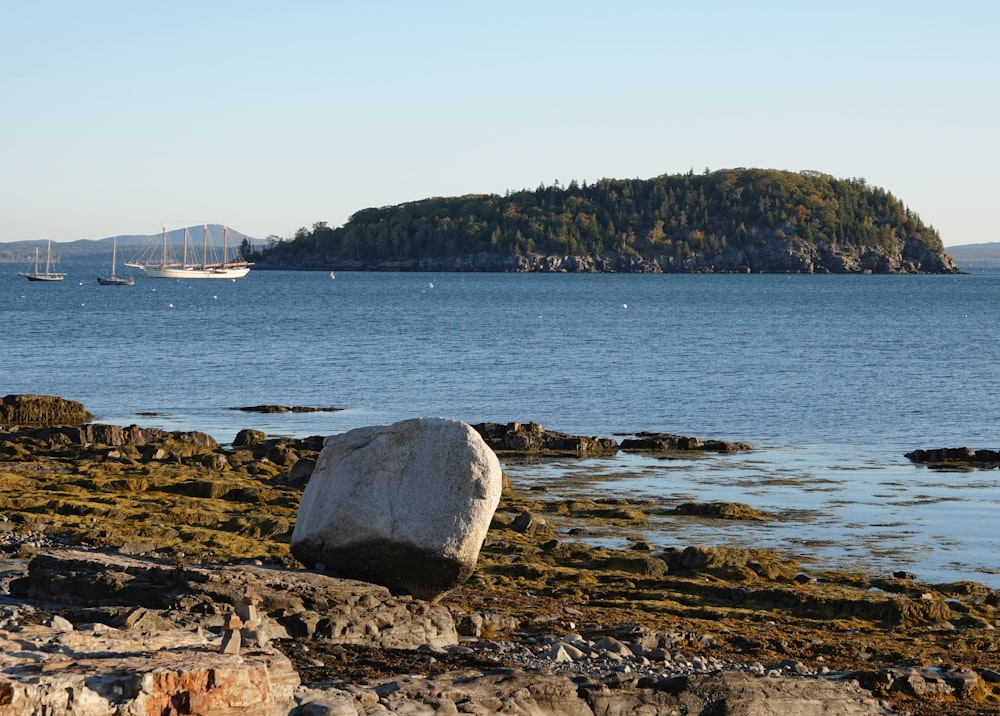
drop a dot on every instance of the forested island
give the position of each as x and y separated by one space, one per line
732 221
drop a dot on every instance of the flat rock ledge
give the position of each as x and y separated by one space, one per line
532 438
98 634
960 457
96 670
295 603
268 408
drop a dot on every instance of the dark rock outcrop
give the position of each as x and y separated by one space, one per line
791 256
249 438
955 457
720 510
113 435
665 442
287 409
788 257
533 438
39 410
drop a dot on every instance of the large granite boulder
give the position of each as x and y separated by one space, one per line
406 506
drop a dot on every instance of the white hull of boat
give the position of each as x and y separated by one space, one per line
193 272
168 267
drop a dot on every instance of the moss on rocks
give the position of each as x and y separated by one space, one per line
720 510
545 578
41 410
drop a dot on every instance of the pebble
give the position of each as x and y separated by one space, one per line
59 623
573 654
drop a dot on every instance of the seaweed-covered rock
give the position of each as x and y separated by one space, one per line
960 456
667 442
38 410
264 409
734 563
533 438
288 409
249 438
720 510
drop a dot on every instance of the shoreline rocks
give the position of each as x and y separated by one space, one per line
286 409
794 256
955 457
125 660
532 438
666 442
27 409
204 530
177 660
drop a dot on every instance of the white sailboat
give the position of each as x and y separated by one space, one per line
47 275
167 267
114 279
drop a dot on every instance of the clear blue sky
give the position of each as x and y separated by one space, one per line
120 115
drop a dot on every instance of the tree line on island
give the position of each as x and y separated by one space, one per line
732 220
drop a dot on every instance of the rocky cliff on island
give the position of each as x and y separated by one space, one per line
150 572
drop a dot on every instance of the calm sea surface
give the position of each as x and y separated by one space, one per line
831 378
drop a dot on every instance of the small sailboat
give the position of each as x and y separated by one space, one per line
47 275
114 279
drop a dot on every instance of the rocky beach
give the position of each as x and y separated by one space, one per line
150 572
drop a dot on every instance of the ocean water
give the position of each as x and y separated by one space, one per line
831 379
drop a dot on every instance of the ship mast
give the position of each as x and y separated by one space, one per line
163 259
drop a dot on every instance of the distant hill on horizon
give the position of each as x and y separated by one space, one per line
974 257
90 250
